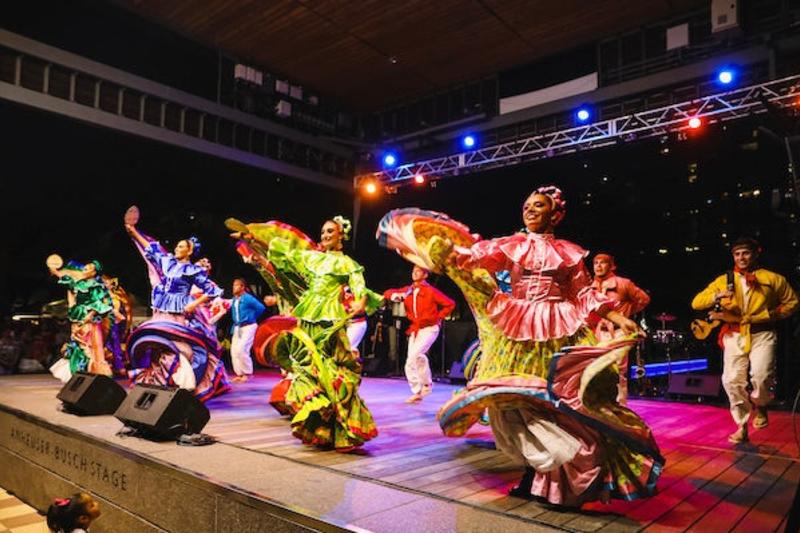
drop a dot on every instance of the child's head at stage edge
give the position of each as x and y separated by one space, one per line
75 513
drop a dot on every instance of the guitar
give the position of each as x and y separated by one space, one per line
701 329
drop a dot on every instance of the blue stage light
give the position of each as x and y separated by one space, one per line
468 141
389 159
726 76
583 114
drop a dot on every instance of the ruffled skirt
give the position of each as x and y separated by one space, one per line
322 393
169 350
84 352
567 427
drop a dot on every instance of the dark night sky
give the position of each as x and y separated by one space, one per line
65 186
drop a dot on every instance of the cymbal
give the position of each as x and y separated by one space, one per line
666 317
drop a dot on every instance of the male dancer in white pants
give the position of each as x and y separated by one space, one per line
426 306
750 300
630 300
245 310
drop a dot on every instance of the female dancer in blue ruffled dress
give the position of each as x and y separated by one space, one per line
175 347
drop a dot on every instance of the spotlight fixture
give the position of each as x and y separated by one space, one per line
695 123
726 76
468 142
370 187
389 159
419 179
583 114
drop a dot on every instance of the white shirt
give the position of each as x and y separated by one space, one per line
745 292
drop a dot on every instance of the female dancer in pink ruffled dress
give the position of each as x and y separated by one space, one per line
549 388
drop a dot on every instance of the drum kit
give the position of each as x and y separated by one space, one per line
665 336
662 345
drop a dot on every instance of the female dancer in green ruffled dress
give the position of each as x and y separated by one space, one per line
89 303
327 290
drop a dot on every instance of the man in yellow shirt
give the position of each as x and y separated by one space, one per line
748 308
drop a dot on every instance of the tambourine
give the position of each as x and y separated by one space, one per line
131 217
54 262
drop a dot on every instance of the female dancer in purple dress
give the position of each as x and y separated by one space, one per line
176 347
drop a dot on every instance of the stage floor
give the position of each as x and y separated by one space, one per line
707 484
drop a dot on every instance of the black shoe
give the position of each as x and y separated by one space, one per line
523 490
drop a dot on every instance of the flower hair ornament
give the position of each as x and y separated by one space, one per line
557 198
62 502
196 246
345 225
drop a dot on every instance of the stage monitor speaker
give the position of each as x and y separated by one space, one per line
163 412
694 384
91 394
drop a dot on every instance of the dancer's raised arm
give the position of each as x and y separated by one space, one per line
134 233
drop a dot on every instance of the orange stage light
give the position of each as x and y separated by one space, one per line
371 187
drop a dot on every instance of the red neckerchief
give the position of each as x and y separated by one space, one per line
748 275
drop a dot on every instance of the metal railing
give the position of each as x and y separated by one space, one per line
41 76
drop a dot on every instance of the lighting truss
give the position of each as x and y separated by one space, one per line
729 105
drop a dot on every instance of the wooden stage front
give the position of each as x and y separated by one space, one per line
411 478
